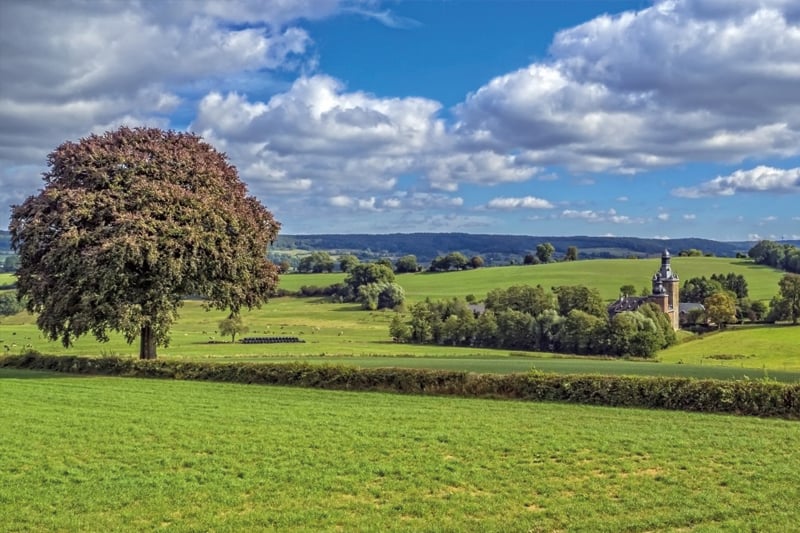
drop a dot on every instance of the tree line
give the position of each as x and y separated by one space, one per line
782 256
565 319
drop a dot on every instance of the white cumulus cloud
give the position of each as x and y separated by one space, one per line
527 202
759 179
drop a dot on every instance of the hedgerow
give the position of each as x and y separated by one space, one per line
744 397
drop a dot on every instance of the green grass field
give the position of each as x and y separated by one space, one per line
344 330
607 275
115 454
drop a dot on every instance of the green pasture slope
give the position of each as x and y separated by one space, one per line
116 454
345 333
607 275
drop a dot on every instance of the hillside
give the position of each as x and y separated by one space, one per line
497 248
605 275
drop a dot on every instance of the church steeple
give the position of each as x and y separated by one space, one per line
666 289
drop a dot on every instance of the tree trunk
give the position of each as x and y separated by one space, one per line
147 348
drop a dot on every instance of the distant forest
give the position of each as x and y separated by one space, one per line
497 249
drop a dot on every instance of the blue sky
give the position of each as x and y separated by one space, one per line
678 118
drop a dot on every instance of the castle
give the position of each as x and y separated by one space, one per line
666 294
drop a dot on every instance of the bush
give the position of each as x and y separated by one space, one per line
757 398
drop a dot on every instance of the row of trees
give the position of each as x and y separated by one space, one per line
699 288
370 284
318 262
568 319
321 261
544 254
783 256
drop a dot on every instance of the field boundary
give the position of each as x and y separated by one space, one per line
745 397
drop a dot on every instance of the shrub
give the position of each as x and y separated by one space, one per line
758 398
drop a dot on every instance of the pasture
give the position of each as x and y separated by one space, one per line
606 275
116 454
345 333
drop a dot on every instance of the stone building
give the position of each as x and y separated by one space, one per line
665 294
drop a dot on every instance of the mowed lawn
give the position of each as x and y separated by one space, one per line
116 454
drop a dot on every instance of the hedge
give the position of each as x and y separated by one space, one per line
746 397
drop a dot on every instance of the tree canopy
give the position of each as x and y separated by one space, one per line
544 252
128 224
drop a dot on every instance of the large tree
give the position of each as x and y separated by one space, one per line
721 308
790 294
544 252
128 224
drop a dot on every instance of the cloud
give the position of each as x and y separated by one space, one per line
527 202
387 18
346 142
70 68
663 216
759 179
683 80
689 216
610 216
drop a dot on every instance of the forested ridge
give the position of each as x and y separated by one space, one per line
426 246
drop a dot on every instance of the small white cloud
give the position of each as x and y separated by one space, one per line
662 216
527 202
661 237
770 219
367 204
622 198
341 201
601 216
689 216
392 203
759 179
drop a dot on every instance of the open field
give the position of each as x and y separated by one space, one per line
344 333
772 347
7 278
117 454
344 330
607 275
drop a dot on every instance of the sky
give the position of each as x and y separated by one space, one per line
666 119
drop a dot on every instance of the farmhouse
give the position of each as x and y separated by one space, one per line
666 295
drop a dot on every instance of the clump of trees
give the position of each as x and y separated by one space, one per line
405 264
786 304
370 284
567 319
317 262
783 256
10 263
9 305
699 288
130 222
451 261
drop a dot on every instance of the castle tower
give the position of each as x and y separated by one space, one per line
666 290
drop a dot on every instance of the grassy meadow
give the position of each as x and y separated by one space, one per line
606 275
116 454
343 333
